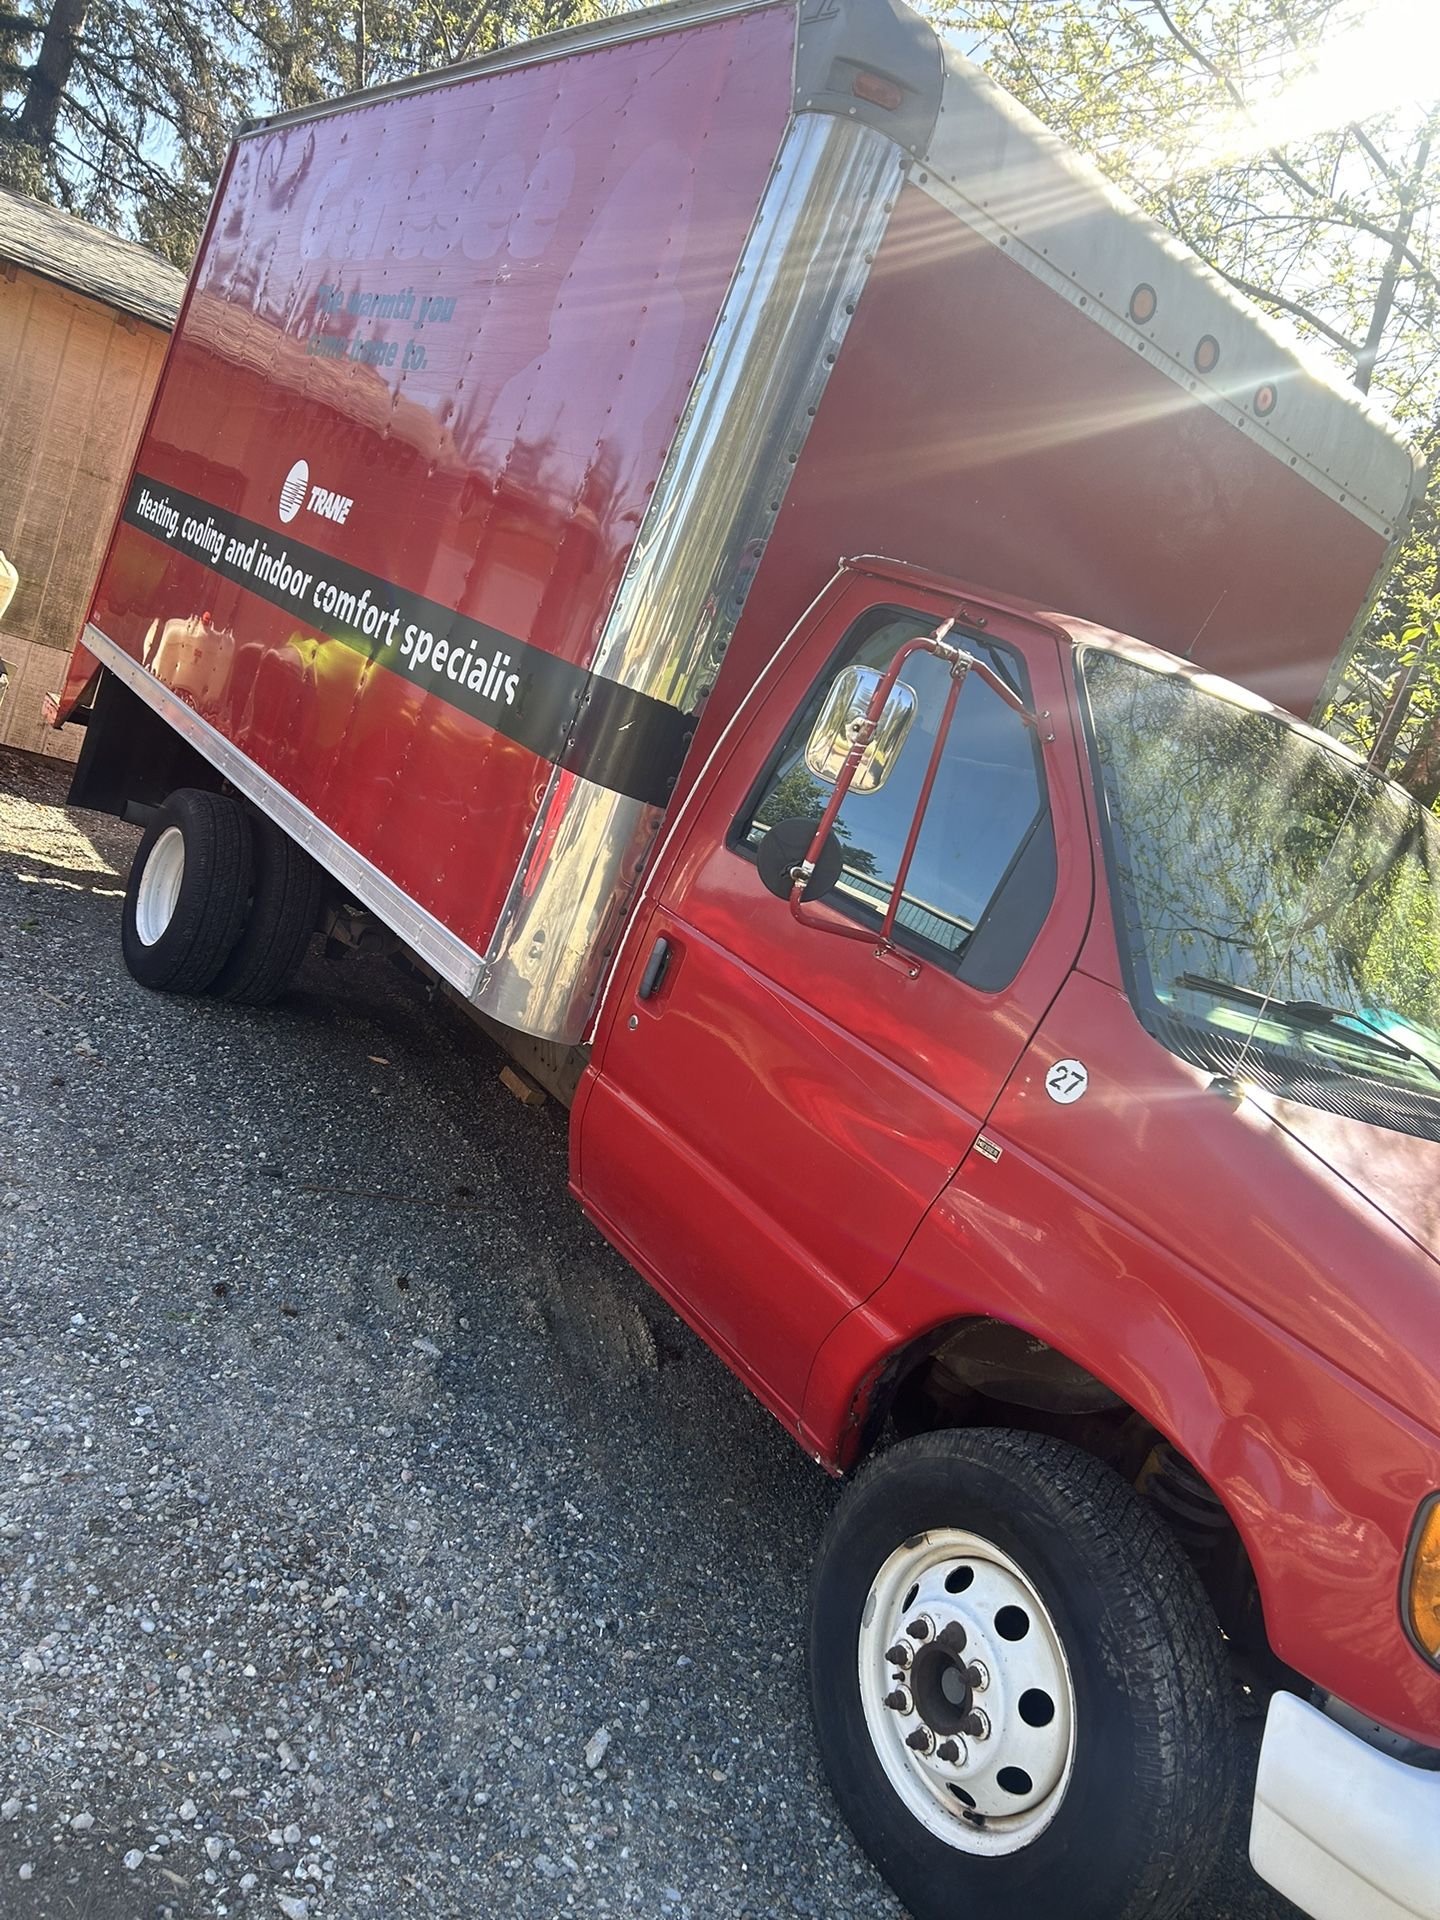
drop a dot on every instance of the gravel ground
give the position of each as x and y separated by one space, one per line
373 1543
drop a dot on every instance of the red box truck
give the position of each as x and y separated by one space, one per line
1005 1041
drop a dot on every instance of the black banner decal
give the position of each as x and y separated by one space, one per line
626 741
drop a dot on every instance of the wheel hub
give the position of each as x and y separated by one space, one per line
940 1681
159 888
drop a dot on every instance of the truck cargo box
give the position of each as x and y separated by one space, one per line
504 400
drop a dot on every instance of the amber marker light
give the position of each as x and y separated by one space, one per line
877 90
1207 353
1265 398
1421 1597
1143 302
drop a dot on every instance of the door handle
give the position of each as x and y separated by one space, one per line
655 969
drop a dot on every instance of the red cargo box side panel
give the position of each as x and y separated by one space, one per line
434 357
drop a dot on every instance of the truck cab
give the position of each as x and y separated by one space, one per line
1143 1036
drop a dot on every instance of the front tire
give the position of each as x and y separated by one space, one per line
187 893
1018 1685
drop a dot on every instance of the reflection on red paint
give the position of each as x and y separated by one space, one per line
477 320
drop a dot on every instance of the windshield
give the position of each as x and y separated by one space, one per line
1279 902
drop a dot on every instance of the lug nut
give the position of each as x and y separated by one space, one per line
920 1740
976 1724
901 1654
920 1628
977 1676
898 1700
949 1752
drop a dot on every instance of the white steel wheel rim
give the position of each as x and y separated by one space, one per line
159 887
967 1692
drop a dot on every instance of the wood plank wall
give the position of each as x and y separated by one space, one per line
75 384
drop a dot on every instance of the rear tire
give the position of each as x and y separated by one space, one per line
186 896
1001 1628
284 912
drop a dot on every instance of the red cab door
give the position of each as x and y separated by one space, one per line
770 1109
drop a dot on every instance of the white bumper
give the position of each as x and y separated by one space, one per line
1346 1832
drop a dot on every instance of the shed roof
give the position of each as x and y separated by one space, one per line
59 247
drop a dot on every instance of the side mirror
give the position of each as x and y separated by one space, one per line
843 713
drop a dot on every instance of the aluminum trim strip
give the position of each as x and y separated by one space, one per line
417 927
996 167
798 281
644 24
778 337
566 909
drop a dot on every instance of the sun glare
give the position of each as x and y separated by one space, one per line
1388 57
1384 57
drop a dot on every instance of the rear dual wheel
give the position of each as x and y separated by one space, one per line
188 892
218 900
283 911
1018 1685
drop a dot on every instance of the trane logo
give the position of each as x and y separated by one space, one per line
292 494
297 492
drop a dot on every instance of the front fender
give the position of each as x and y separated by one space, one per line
1321 1477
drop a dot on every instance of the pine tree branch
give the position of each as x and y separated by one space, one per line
106 130
101 76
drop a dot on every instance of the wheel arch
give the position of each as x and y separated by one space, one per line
981 1369
131 755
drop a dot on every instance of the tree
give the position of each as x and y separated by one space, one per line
1267 135
315 49
1389 702
121 110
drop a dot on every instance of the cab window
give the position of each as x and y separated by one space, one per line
983 873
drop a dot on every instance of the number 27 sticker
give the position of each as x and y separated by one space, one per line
1066 1081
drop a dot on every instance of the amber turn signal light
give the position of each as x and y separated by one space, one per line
1421 1602
879 91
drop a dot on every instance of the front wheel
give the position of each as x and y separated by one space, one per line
1018 1685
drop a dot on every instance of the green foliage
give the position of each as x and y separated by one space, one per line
22 169
17 30
150 91
313 49
1391 691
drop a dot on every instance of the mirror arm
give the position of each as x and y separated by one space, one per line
864 733
1007 694
960 664
958 670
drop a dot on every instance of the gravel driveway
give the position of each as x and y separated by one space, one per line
373 1543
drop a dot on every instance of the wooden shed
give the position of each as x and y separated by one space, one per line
84 321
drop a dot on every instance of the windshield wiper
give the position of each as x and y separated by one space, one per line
1308 1013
